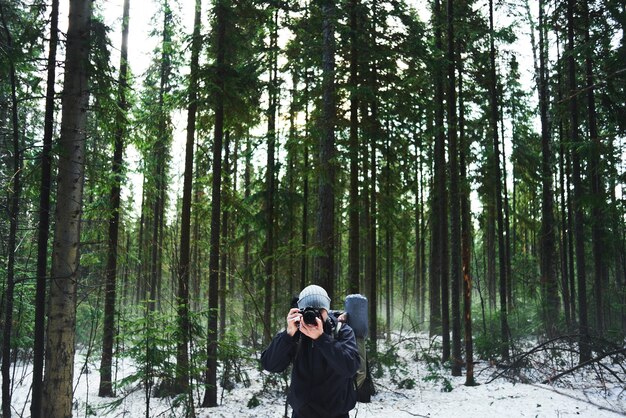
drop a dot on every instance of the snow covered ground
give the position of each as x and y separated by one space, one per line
411 386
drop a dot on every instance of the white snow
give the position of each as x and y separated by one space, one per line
587 393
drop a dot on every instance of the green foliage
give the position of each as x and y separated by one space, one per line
391 361
436 373
88 316
23 319
486 346
253 402
150 346
407 383
523 323
232 355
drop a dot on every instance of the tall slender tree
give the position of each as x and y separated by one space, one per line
60 342
108 331
456 271
585 350
493 124
466 237
325 226
14 207
548 247
224 230
210 394
353 208
599 199
270 174
439 303
304 261
184 267
43 226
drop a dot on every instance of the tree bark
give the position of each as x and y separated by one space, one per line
210 394
270 178
324 271
598 195
585 349
439 319
14 207
44 217
108 326
493 95
456 269
353 208
223 289
305 190
548 247
466 238
59 367
184 266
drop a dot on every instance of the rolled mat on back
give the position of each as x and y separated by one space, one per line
356 307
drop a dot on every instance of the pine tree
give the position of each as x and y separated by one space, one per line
59 367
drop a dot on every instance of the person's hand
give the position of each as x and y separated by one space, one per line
293 321
312 331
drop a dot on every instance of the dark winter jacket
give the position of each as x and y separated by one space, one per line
322 378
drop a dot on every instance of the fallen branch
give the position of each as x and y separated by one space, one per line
534 350
583 364
412 414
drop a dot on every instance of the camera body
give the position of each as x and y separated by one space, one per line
310 315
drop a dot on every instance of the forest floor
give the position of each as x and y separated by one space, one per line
411 383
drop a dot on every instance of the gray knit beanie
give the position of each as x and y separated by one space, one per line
314 296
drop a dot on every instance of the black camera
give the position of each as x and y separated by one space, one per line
310 315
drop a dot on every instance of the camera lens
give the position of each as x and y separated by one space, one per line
310 316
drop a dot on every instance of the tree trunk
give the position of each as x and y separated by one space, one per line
270 177
598 195
490 251
567 280
44 218
305 190
291 184
325 260
569 292
373 288
59 367
158 205
234 219
456 271
210 394
493 95
388 246
370 66
548 247
108 326
367 193
184 266
422 250
466 238
585 349
224 232
353 208
14 206
439 320
248 277
418 234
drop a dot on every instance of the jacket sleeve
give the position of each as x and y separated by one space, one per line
341 353
279 353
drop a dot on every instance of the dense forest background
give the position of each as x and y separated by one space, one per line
401 150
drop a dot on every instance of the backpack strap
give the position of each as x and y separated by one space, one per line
337 328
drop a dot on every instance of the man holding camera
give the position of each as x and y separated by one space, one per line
325 358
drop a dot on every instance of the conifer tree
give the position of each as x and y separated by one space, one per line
60 343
